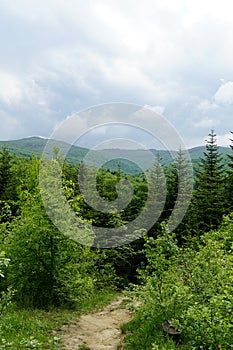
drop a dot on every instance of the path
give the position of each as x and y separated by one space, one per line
98 331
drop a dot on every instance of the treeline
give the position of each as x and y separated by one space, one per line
45 268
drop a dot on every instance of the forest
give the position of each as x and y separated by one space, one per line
184 276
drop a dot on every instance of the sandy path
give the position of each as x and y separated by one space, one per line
98 331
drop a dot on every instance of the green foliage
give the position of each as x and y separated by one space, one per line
179 190
230 156
35 145
30 329
4 262
208 202
46 267
229 181
25 328
208 313
5 173
159 296
124 259
83 347
5 295
192 288
97 300
5 211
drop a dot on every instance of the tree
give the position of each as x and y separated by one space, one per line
229 182
11 170
47 268
156 195
231 155
208 202
5 173
179 190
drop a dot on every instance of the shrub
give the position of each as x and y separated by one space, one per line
192 288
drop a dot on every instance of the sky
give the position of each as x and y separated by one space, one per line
60 57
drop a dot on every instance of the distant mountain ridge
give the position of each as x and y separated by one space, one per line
26 147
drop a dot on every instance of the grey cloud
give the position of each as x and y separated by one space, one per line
68 56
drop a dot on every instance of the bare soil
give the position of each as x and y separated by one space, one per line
98 331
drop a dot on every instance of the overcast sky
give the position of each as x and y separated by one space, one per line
59 57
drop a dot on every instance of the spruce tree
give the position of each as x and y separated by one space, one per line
208 203
5 173
179 190
156 196
231 155
229 181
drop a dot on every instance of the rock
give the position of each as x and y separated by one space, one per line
169 329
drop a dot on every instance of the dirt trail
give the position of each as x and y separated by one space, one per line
98 331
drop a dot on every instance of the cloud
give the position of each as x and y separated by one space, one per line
207 106
224 140
10 126
157 109
60 57
224 94
10 89
206 123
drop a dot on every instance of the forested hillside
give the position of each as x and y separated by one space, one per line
184 276
35 146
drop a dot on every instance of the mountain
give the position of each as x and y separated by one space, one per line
110 158
35 145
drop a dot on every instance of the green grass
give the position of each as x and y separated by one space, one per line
38 329
98 300
144 332
83 347
30 329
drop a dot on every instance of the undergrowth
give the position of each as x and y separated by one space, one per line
192 288
38 329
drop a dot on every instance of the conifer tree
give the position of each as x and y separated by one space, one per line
5 173
231 155
179 190
157 195
229 181
208 203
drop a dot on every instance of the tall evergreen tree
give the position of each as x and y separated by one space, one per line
229 181
156 196
179 190
208 203
5 174
231 155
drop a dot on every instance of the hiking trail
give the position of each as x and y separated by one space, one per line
98 331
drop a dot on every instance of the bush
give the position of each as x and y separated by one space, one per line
47 268
192 288
5 295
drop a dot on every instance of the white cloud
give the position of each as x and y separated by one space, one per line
10 88
206 123
207 106
61 56
224 140
10 126
157 109
224 95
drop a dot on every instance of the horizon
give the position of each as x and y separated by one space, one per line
113 148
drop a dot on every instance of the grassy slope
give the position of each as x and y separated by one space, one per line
39 329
